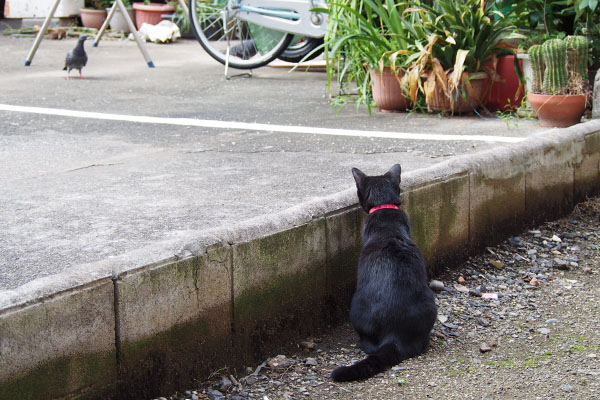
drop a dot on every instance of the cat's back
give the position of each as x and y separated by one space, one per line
386 237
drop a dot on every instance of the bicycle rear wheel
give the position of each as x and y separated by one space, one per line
296 51
250 45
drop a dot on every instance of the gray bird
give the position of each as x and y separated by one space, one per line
76 58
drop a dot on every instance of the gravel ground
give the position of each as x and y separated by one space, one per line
521 321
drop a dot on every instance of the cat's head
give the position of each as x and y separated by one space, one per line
374 191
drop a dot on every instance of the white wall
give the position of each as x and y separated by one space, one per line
40 8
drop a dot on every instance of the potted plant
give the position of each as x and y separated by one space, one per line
150 13
460 38
118 21
94 13
559 90
366 45
537 20
438 51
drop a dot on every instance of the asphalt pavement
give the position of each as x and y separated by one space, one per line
133 157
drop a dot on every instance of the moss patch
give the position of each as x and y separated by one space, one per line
439 220
65 376
173 359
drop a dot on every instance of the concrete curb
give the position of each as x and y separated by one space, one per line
131 326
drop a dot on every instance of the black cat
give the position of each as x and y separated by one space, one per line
393 308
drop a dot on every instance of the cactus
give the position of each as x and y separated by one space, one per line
577 57
537 65
554 52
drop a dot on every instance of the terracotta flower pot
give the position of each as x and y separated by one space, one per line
462 104
92 18
503 94
150 13
558 110
387 92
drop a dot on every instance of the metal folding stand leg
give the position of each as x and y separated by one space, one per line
227 76
119 3
241 75
185 8
41 33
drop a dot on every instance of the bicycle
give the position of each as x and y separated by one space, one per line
248 34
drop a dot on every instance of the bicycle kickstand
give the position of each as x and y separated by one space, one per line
241 75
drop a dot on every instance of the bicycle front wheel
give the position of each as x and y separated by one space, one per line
218 28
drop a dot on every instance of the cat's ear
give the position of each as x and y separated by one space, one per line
394 174
359 177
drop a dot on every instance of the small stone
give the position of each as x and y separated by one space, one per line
551 321
450 326
308 345
484 347
474 292
215 395
531 252
442 318
279 362
497 264
544 331
515 240
556 239
437 286
561 264
311 362
460 279
251 380
225 384
461 288
566 388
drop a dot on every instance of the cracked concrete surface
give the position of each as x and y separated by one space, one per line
77 191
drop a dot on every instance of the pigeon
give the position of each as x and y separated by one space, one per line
76 58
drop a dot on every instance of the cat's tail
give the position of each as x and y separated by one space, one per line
385 357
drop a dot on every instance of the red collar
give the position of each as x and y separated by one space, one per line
381 207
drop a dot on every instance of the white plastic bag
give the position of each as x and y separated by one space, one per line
163 32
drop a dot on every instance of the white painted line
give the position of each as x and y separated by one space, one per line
205 123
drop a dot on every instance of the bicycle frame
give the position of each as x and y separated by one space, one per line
290 16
